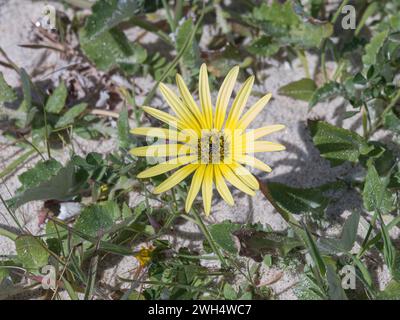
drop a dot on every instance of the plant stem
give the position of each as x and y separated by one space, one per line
304 62
8 234
82 4
170 20
12 214
149 27
17 162
338 11
178 10
208 236
339 70
387 109
323 62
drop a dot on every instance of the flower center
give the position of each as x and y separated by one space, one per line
212 147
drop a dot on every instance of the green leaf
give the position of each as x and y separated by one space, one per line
112 49
31 252
256 244
229 292
42 171
391 292
389 251
55 234
347 239
314 252
276 13
281 22
4 271
370 11
222 235
7 94
373 47
69 117
298 200
95 220
123 129
328 91
349 232
9 169
65 184
107 14
337 144
392 122
302 89
309 35
263 46
375 194
365 275
190 60
335 289
56 101
28 112
26 89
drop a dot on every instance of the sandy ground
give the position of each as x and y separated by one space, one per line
299 166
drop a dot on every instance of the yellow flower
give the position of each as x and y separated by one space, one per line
144 255
206 142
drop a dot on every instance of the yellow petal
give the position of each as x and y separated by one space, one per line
234 180
207 188
195 187
250 115
164 117
161 150
263 131
189 101
239 103
175 178
161 133
245 175
205 96
166 166
222 187
265 146
253 162
224 96
179 108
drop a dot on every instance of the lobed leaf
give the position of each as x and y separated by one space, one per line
337 144
302 89
70 116
7 94
56 101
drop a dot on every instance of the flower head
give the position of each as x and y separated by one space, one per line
144 255
206 142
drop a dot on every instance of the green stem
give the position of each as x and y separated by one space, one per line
338 11
364 114
149 27
304 62
387 109
12 214
323 61
364 247
170 20
82 4
46 132
208 236
8 234
17 162
339 70
178 11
